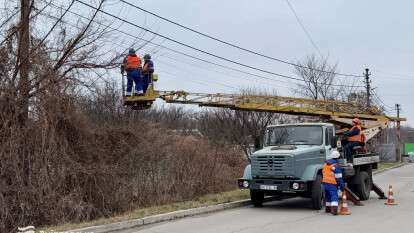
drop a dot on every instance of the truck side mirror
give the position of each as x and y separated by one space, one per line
334 140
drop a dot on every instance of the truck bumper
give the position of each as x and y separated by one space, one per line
271 185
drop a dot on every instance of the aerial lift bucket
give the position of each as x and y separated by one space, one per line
140 102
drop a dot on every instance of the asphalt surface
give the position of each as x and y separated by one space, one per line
296 216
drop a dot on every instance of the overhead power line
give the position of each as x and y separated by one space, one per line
164 47
308 35
237 46
8 19
194 48
227 74
168 48
381 101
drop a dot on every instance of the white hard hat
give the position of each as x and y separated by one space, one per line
334 154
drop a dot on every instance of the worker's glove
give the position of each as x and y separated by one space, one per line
342 187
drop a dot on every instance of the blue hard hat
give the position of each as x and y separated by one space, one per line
131 51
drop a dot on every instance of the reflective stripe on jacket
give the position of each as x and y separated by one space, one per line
328 174
133 62
357 138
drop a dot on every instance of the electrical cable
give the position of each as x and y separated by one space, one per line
187 55
201 82
234 45
308 35
381 102
169 49
192 47
226 74
146 51
178 52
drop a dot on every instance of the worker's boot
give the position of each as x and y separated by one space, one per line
334 210
327 209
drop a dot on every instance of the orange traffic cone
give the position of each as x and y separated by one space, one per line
390 199
344 210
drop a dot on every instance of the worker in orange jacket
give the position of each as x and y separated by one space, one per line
132 65
354 137
147 71
332 182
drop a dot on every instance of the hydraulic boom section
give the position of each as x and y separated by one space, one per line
331 110
337 112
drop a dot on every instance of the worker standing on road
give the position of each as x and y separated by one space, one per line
147 72
354 137
132 65
332 181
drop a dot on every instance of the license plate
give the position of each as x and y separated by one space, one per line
268 187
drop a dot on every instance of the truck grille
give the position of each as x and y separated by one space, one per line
272 165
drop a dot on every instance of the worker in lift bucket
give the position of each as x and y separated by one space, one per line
132 65
332 182
352 138
147 71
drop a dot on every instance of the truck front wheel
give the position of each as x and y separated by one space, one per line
363 185
317 195
257 197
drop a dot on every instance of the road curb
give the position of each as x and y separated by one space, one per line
390 168
161 218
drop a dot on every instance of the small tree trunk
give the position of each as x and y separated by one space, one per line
23 62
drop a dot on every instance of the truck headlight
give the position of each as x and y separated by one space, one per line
246 184
295 186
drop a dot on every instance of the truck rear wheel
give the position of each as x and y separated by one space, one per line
363 185
257 197
317 195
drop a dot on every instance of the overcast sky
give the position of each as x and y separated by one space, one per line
355 34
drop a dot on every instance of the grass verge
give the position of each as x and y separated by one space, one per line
385 165
207 200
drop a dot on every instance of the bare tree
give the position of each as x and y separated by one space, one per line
39 123
241 128
73 51
318 76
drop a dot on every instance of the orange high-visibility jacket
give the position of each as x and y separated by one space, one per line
133 62
328 174
357 138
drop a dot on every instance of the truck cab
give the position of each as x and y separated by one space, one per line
290 163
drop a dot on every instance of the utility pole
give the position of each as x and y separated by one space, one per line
398 146
24 63
368 88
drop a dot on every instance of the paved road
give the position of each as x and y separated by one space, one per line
295 215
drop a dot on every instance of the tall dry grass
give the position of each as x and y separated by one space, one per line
64 166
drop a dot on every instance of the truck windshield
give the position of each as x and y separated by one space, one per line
295 135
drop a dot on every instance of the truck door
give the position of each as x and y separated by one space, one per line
329 136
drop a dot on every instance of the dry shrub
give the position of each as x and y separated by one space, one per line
63 167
